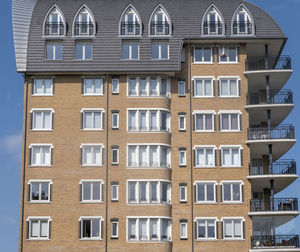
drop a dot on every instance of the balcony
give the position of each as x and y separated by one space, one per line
282 138
130 29
274 242
212 28
280 102
274 205
260 64
83 29
54 29
242 28
160 28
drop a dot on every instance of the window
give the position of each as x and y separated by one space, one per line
91 155
206 192
183 192
115 86
149 229
149 120
203 55
54 51
115 119
90 228
231 156
41 119
38 228
160 23
183 55
83 51
114 229
230 121
130 23
148 156
130 50
92 119
91 191
43 87
181 88
148 192
39 191
114 191
206 228
93 86
232 191
84 23
242 22
41 155
182 122
228 54
183 230
233 228
182 157
204 121
213 23
203 87
229 87
160 50
205 156
115 155
54 23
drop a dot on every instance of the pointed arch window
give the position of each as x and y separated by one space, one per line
130 23
213 22
54 23
160 23
84 23
242 23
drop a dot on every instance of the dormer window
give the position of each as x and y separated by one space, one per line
130 23
84 23
160 24
213 23
242 23
54 23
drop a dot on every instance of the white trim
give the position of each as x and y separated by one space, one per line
92 144
205 183
185 193
185 224
93 21
241 219
160 144
231 146
139 22
160 50
112 156
179 83
112 120
111 229
227 48
204 112
39 219
93 78
202 57
206 219
91 181
221 20
112 86
204 146
251 21
43 78
91 218
231 182
41 181
63 19
236 77
203 77
169 21
184 122
111 192
229 112
130 43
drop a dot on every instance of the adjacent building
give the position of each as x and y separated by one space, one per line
153 126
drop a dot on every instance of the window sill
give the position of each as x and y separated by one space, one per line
231 203
83 36
40 166
232 239
203 63
206 203
83 60
205 167
92 129
206 240
39 202
38 239
92 95
159 59
148 96
226 167
230 131
41 130
205 97
143 132
148 241
149 204
228 63
50 95
91 166
204 131
229 97
53 60
90 239
149 168
91 202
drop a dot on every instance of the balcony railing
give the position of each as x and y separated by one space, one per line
130 28
160 28
275 241
258 63
275 97
279 132
213 28
242 28
274 205
277 168
54 28
84 28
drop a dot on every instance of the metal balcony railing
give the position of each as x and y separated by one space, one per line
54 28
242 28
274 205
160 28
83 28
276 168
275 97
259 63
279 132
130 28
275 241
212 28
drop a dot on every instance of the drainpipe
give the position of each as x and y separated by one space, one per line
106 164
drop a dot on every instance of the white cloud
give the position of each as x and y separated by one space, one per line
12 143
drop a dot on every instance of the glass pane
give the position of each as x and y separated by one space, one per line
48 86
234 122
227 192
198 54
181 122
132 191
115 85
224 87
46 159
155 51
44 191
181 87
132 87
183 230
97 155
153 229
228 229
88 86
87 155
208 122
164 153
143 125
153 87
163 125
164 192
153 189
199 122
79 51
232 54
164 229
34 229
88 120
226 160
115 156
200 158
208 88
236 192
114 229
201 192
37 120
210 161
96 228
134 51
201 229
207 54
125 51
143 156
97 120
164 51
199 88
153 120
115 120
237 229
98 86
233 87
153 155
235 157
47 121
163 87
35 191
210 229
58 52
210 192
182 193
88 51
132 121
96 191
38 85
44 229
143 87
86 229
182 158
36 156
143 229
132 229
225 121
49 53
132 156
142 191
86 191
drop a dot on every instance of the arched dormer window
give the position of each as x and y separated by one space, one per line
213 23
84 24
130 23
54 24
242 23
160 23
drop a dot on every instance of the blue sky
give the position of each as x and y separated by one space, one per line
286 13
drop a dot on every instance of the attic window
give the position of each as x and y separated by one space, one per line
130 23
160 23
54 24
242 23
213 23
84 23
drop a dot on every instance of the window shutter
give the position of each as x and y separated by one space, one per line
193 88
81 120
52 121
242 158
243 197
220 158
29 158
29 192
80 192
53 86
196 233
216 158
79 229
49 229
241 123
194 122
221 195
238 53
51 191
220 122
31 120
219 87
218 53
244 229
82 86
101 228
222 229
81 157
27 227
51 157
239 86
216 192
32 86
217 230
215 122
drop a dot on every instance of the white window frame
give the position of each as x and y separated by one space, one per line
160 51
204 113
182 117
115 81
205 147
183 225
203 79
93 111
90 20
84 93
230 112
130 50
39 219
222 147
50 146
228 79
114 222
114 187
43 80
202 57
54 44
42 110
82 146
219 18
205 183
112 155
181 83
91 181
182 163
227 182
165 18
49 19
226 49
235 18
84 50
183 187
114 114
39 181
82 218
135 23
232 219
206 219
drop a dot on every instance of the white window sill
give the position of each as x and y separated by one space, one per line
149 131
149 241
205 203
93 129
91 165
43 95
39 202
227 166
204 131
90 239
203 63
232 203
204 96
37 166
229 96
205 239
148 204
205 167
38 239
148 96
230 131
233 239
92 94
228 63
41 130
148 167
91 202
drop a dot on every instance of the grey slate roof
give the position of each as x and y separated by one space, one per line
186 17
